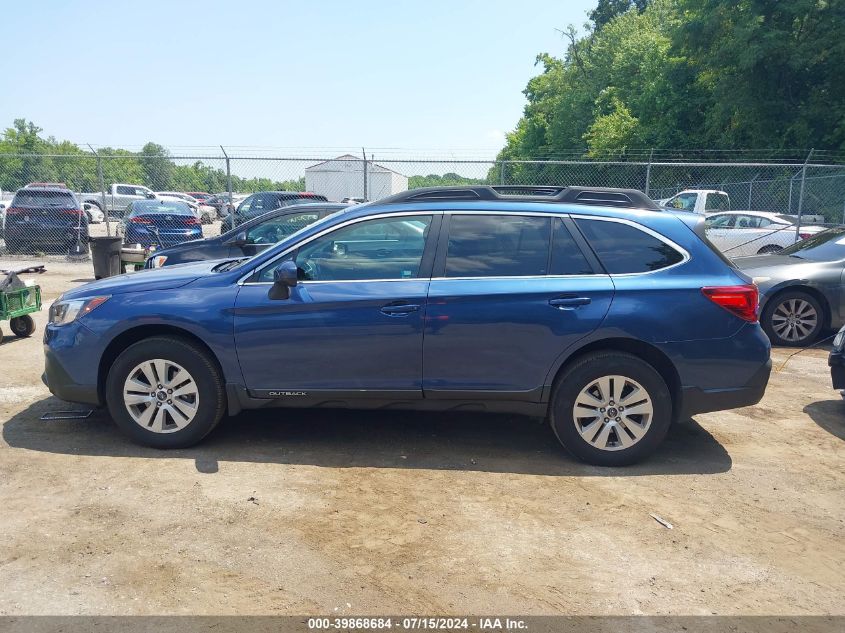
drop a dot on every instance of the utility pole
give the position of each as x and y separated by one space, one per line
648 171
364 154
801 196
229 186
750 189
102 188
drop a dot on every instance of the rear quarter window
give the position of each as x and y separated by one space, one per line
622 248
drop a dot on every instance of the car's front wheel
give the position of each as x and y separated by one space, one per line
165 392
610 409
794 318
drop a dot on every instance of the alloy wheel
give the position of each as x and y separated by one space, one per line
161 396
613 413
794 320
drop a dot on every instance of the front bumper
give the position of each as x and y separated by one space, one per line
836 362
61 385
71 363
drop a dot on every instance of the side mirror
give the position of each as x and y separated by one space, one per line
284 278
151 196
86 206
238 240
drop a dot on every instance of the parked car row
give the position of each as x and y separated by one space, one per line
591 307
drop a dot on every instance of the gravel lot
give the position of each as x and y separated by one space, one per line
390 512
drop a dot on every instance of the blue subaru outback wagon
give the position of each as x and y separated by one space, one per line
593 308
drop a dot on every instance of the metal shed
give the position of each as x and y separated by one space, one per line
343 177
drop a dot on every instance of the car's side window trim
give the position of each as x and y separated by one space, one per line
429 250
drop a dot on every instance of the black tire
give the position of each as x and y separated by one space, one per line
771 248
22 326
768 319
579 376
199 365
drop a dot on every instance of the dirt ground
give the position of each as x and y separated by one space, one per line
332 513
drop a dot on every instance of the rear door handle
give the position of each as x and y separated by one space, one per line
399 309
569 303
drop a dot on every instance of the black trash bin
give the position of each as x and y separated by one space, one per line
105 252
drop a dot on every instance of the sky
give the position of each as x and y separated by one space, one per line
431 76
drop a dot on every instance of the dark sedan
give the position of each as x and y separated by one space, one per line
264 201
247 239
160 223
801 291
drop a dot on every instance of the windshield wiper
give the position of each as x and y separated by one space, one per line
222 268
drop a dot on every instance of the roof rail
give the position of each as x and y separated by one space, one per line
596 196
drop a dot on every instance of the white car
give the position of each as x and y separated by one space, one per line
738 233
95 215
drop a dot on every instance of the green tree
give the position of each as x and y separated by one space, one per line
157 167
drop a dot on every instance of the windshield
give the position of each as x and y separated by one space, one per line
825 246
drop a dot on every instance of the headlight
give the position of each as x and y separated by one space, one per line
158 260
64 312
839 338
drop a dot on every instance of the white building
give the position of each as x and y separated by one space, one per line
343 177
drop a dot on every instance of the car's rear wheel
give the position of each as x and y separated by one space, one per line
165 392
793 319
771 248
610 409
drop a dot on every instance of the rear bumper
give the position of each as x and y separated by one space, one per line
836 362
55 235
696 400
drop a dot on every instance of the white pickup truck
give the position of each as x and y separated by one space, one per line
698 201
118 197
707 201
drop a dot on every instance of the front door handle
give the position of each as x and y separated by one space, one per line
569 303
399 309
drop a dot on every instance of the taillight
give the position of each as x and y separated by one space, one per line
804 236
140 220
77 212
192 221
14 211
740 300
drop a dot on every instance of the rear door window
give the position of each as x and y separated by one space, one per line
497 246
622 248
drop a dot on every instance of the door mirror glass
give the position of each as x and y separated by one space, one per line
239 239
86 206
284 278
151 195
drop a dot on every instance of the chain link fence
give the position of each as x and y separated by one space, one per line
35 224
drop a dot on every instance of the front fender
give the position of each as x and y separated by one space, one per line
204 312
